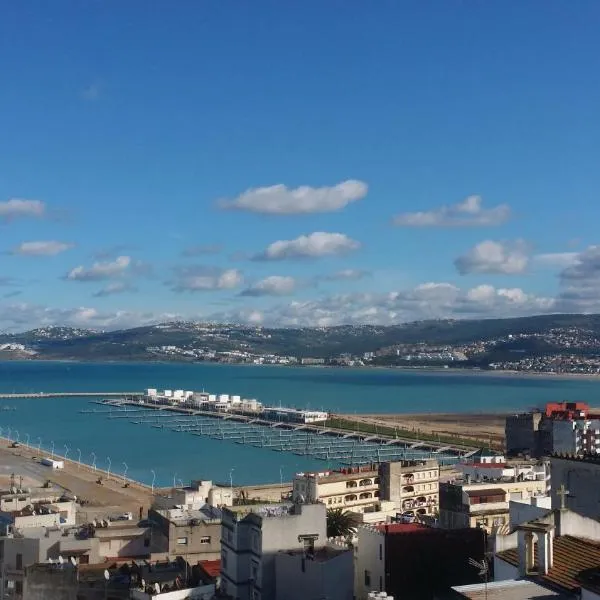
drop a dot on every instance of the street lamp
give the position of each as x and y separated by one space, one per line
39 445
231 477
27 436
281 476
153 479
66 451
79 459
109 465
125 471
52 442
94 461
174 480
16 435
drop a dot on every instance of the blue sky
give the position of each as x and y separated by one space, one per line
297 163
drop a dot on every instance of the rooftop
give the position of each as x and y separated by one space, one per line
320 554
263 510
211 567
402 528
208 514
343 474
572 556
483 491
519 589
587 458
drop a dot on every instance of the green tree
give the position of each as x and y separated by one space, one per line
340 523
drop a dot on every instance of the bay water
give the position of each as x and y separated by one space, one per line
180 456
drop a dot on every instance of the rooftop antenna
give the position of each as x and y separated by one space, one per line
483 572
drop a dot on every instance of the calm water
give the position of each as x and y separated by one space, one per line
185 456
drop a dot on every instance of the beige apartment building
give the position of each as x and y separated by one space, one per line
354 488
413 486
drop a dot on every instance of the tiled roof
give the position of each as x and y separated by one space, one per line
571 556
211 567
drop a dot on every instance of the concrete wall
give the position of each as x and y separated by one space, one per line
45 583
370 556
582 479
281 533
563 436
297 578
504 571
203 539
521 433
522 512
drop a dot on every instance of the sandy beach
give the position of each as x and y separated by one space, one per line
485 426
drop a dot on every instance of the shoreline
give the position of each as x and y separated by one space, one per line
449 371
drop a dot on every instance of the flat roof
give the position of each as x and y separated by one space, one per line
513 589
486 492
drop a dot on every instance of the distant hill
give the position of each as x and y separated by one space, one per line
137 343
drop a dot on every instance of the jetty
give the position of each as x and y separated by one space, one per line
5 396
306 439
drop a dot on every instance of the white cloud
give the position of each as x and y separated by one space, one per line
17 207
101 270
275 285
345 275
21 316
556 259
426 301
41 248
314 245
199 278
494 258
114 287
280 200
468 213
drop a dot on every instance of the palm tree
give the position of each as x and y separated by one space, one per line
340 523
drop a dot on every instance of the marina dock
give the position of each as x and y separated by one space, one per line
315 440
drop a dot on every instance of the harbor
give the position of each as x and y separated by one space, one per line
280 429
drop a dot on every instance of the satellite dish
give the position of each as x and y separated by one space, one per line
61 560
73 561
143 584
157 588
50 561
106 574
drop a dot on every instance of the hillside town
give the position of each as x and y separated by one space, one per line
522 522
557 350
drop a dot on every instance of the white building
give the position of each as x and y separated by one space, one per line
280 552
194 496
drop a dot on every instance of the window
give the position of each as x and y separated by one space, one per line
367 578
182 541
380 551
255 541
205 539
254 570
224 559
19 561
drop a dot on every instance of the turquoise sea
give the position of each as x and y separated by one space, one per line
185 456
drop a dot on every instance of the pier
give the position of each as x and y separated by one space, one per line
317 441
4 396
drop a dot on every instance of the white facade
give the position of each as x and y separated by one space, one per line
369 573
262 545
